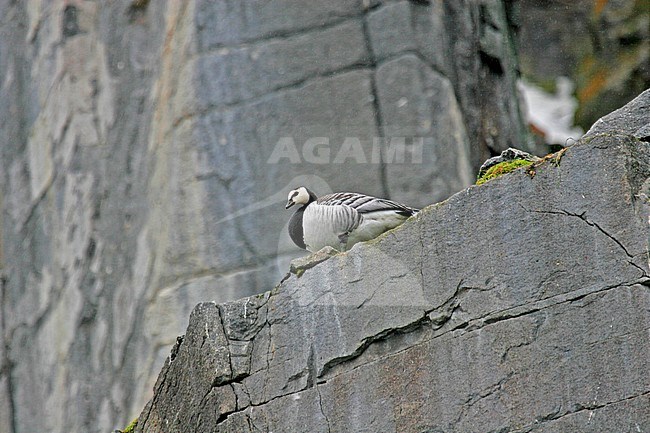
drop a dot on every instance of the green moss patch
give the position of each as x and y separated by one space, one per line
129 428
501 169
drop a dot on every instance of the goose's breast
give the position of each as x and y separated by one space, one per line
323 225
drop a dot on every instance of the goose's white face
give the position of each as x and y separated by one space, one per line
297 196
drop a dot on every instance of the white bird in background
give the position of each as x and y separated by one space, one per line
342 219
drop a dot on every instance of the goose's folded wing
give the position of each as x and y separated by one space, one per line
365 204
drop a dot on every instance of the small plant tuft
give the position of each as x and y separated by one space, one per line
129 428
502 168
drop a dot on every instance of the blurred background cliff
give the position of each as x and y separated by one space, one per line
146 149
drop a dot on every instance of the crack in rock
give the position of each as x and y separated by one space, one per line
322 411
582 217
368 341
559 414
440 316
482 395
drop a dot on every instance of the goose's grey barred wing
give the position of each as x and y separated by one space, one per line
365 204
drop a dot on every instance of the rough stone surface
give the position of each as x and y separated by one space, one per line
518 306
633 119
138 176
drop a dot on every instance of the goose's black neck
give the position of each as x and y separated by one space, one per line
296 231
312 197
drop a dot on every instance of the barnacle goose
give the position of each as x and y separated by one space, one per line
342 219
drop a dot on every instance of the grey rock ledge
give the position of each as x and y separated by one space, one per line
521 305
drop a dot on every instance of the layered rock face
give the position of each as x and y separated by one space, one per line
521 305
146 148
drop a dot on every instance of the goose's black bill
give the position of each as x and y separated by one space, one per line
289 204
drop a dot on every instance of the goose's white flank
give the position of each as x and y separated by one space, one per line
342 219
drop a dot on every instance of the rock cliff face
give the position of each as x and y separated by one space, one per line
521 305
137 167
